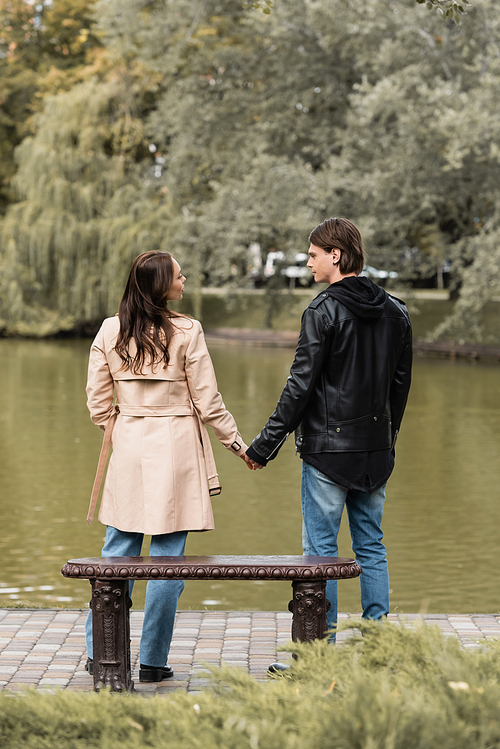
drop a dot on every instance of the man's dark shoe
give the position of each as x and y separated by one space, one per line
153 673
277 669
89 666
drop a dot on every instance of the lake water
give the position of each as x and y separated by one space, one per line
442 517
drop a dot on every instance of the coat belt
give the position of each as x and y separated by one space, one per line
214 487
183 409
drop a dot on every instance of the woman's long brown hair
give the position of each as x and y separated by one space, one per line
143 312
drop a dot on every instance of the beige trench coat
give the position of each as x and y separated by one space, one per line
157 475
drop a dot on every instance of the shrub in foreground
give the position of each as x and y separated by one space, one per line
394 688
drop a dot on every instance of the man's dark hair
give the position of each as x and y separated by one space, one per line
340 233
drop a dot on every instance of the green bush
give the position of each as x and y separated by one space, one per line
394 688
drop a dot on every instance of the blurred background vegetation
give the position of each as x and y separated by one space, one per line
211 127
397 686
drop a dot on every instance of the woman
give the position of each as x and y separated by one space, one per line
156 363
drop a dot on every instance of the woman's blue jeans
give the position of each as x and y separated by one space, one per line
161 595
323 502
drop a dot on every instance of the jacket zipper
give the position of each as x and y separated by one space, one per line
278 446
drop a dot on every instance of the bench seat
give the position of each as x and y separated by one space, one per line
110 602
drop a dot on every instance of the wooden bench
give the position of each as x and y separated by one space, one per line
110 602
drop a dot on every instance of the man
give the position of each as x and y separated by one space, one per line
345 398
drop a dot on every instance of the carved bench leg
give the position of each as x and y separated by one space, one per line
309 606
111 635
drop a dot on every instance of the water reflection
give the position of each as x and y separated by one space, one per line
442 515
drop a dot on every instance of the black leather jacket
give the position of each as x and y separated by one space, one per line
350 377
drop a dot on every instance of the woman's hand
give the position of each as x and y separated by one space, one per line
247 461
253 466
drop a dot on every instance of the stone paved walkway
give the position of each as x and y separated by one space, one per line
45 648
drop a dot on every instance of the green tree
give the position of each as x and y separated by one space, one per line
244 122
418 166
258 117
224 126
44 48
88 208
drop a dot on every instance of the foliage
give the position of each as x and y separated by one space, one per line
448 8
264 5
249 127
45 47
236 139
395 687
419 155
477 262
68 245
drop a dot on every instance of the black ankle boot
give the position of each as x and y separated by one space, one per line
154 673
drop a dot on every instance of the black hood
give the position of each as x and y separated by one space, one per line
360 295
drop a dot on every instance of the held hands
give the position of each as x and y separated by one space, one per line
252 465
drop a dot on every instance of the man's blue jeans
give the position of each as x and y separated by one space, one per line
161 595
322 505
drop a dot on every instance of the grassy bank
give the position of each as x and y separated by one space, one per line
282 311
395 688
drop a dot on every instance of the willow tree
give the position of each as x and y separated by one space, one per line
87 210
216 127
45 47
